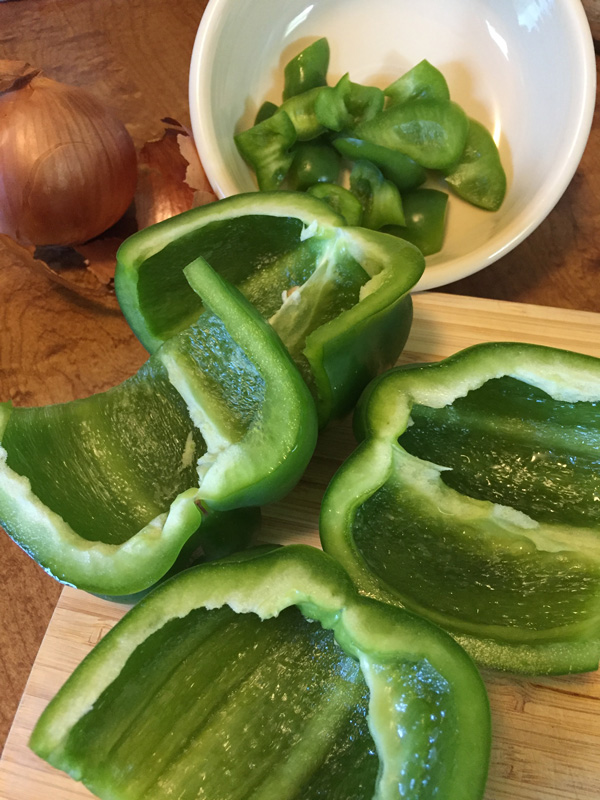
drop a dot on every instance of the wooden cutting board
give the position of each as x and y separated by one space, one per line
546 742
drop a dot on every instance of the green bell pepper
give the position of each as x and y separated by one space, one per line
473 500
271 678
395 166
425 218
422 81
380 198
314 162
431 132
105 492
337 296
341 200
301 110
266 147
346 104
307 70
479 176
266 111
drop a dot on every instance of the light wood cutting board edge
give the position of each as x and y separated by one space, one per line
546 731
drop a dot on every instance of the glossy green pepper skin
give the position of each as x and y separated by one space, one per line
266 147
422 81
307 70
338 296
343 202
424 219
380 198
479 176
346 104
271 677
265 111
472 500
105 492
314 162
431 132
395 166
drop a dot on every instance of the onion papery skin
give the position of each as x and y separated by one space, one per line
68 167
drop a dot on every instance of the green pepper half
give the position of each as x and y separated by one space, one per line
336 295
105 492
473 500
271 678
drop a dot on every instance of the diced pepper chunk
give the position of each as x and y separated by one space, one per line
307 70
346 104
380 198
425 216
266 147
422 81
432 132
479 176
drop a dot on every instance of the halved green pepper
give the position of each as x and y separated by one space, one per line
473 500
337 296
105 492
271 678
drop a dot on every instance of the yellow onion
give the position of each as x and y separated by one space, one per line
67 165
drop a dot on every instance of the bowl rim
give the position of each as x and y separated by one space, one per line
460 266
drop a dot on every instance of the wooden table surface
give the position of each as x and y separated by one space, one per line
54 346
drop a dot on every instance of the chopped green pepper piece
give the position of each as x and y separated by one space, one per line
266 111
301 111
337 296
473 501
341 200
271 677
395 166
346 104
307 70
314 162
266 147
425 215
105 492
479 177
422 81
432 132
380 198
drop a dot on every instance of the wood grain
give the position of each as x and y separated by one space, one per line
546 731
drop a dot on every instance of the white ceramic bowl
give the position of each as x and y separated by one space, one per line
524 68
